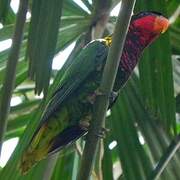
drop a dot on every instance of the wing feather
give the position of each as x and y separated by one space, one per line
87 61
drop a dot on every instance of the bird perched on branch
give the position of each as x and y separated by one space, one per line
68 113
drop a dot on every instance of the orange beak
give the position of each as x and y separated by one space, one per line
161 24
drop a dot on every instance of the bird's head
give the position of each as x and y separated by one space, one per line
145 27
149 24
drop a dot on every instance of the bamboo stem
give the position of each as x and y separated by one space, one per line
106 86
10 74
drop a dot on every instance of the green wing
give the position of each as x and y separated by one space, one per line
92 56
51 135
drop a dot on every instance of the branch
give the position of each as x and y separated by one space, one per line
10 74
51 163
165 159
106 86
100 17
175 15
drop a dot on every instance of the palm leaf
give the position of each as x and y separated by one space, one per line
44 30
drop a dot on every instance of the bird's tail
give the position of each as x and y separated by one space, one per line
43 145
34 153
26 163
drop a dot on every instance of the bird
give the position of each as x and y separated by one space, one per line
69 111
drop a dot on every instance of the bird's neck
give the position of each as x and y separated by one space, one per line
134 45
133 48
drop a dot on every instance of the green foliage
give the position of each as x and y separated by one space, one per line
148 107
43 32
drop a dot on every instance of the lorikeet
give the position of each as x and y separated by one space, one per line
68 113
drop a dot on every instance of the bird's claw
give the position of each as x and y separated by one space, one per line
84 125
111 95
98 92
102 133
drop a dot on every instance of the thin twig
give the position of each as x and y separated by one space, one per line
171 150
51 163
78 149
10 74
175 15
106 86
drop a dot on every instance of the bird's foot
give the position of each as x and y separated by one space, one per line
84 125
112 96
102 133
93 96
98 92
